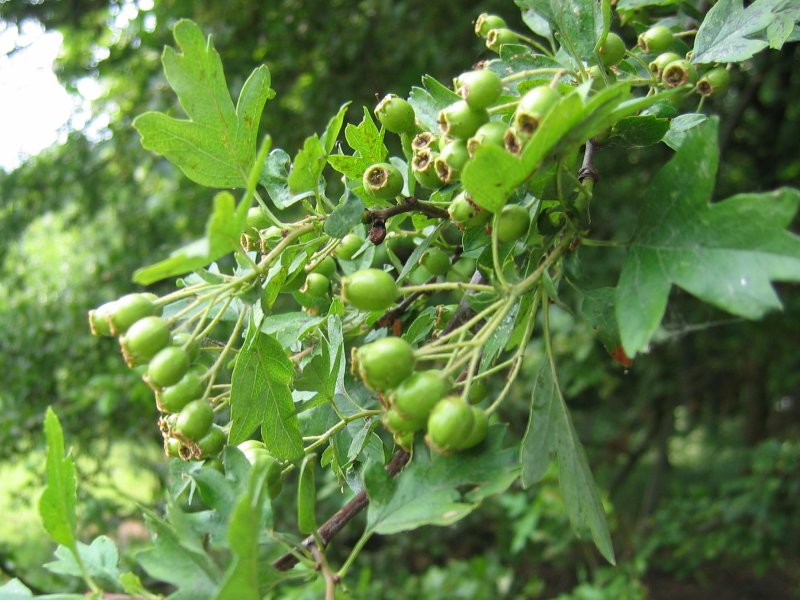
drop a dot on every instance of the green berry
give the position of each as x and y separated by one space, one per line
173 398
678 73
512 222
416 395
656 39
144 339
423 165
486 22
212 442
327 266
395 114
533 107
499 36
348 247
256 220
657 65
480 89
383 181
172 447
600 79
435 261
714 83
316 285
98 319
384 363
480 427
451 160
129 309
449 423
478 390
460 121
397 423
195 420
490 133
370 289
612 51
188 343
465 213
167 367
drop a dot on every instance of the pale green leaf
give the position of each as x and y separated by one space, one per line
58 501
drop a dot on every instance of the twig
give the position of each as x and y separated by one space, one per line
340 518
409 204
587 170
464 312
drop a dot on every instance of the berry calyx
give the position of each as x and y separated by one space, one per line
173 398
449 423
533 107
465 213
423 165
395 114
423 140
416 395
499 36
369 289
383 181
451 160
486 22
348 247
612 50
194 421
129 309
655 39
657 65
167 367
678 73
144 339
435 261
459 120
489 133
384 363
512 223
480 89
714 83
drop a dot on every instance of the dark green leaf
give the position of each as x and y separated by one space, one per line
680 126
307 495
345 216
413 260
429 100
724 253
216 147
597 307
274 177
642 131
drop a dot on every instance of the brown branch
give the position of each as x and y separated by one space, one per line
340 518
587 170
409 204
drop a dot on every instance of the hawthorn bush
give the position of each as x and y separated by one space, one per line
357 315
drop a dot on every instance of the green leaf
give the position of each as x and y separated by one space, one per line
732 33
581 24
491 175
307 167
307 495
345 216
216 147
427 101
366 139
100 559
14 589
241 580
275 178
634 4
598 309
429 491
551 434
352 167
680 126
58 501
289 327
222 237
642 130
260 395
725 253
413 260
331 133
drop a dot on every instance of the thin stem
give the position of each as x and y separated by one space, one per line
529 73
535 44
212 371
339 426
531 279
354 554
290 236
275 220
687 33
503 107
446 285
602 243
498 268
466 326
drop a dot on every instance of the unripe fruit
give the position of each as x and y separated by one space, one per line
423 165
416 395
478 390
512 223
714 83
256 220
383 181
188 343
369 289
450 421
612 51
212 442
478 432
173 398
384 363
254 450
451 160
348 247
489 133
144 339
486 22
658 64
129 309
480 89
397 423
423 140
172 447
435 261
533 107
395 114
499 36
327 266
655 39
317 285
599 79
678 73
167 367
460 121
98 319
465 213
194 421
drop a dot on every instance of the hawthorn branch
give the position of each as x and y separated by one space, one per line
409 204
587 170
340 518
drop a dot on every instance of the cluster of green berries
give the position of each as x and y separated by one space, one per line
145 338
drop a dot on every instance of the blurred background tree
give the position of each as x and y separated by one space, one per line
696 444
